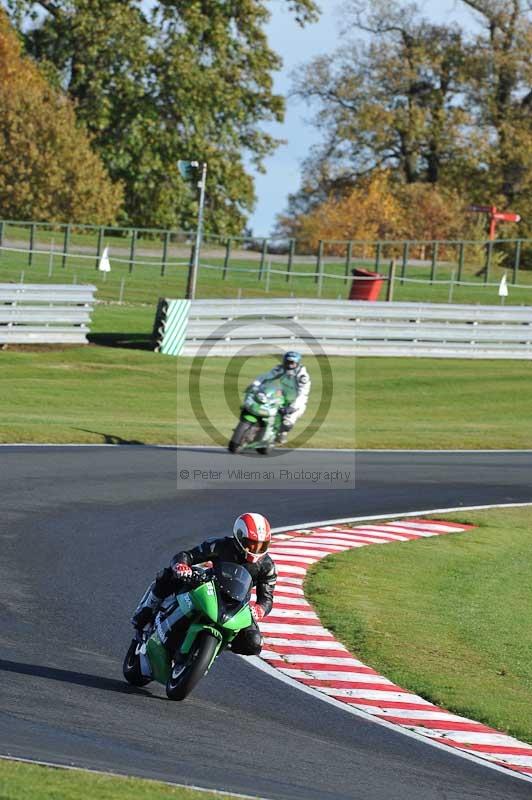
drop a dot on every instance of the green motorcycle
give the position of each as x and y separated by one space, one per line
191 629
259 421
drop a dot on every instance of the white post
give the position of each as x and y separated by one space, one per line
503 289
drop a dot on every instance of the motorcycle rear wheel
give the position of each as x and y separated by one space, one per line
181 683
131 667
244 433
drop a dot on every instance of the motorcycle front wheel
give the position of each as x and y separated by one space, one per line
131 667
183 679
244 433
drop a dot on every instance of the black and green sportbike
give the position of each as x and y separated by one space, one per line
260 420
191 629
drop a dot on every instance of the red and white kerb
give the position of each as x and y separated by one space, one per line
296 643
253 534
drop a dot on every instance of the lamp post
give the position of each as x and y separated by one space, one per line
188 170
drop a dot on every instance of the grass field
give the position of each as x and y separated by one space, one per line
126 393
146 283
117 394
103 394
20 781
448 617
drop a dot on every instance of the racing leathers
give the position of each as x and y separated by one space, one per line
248 641
295 384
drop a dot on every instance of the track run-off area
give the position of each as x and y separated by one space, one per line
84 529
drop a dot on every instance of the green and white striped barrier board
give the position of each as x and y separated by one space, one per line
175 323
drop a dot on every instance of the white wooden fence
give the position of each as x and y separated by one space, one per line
45 313
253 327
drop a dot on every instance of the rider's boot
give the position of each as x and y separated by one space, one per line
146 609
282 434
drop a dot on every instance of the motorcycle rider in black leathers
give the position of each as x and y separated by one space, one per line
249 547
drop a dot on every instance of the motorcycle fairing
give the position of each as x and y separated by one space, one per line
195 629
159 659
205 599
177 608
242 619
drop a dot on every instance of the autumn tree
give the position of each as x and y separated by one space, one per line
433 104
379 207
500 90
430 212
169 81
391 102
48 169
368 211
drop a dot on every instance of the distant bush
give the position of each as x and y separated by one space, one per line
379 208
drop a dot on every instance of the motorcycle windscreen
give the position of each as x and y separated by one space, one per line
233 580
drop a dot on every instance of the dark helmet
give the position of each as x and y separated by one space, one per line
291 360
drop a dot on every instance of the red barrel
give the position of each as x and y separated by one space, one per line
365 289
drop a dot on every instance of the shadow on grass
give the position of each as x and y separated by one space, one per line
69 676
111 438
128 341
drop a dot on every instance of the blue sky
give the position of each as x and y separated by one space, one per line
296 46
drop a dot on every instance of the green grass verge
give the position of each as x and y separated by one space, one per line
146 283
443 404
447 617
116 394
21 781
90 394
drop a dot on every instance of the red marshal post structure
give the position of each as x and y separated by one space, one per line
495 216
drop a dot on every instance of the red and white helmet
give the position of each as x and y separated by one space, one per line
253 535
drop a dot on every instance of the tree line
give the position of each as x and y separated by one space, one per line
417 121
99 99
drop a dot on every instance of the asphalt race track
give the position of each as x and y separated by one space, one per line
84 529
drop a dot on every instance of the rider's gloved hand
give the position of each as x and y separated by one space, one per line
182 570
257 612
286 410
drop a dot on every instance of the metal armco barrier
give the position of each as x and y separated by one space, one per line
328 327
33 313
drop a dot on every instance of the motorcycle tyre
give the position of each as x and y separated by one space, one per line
241 436
131 667
198 662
